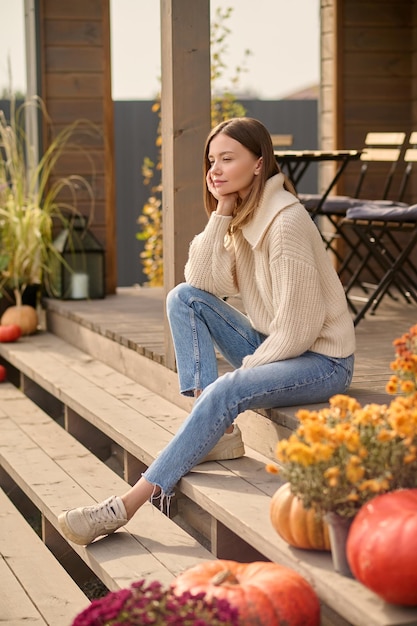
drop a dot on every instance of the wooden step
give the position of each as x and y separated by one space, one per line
35 587
56 472
126 332
235 494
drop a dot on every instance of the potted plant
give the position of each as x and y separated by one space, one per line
32 204
342 456
150 603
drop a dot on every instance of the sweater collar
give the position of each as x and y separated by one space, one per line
274 199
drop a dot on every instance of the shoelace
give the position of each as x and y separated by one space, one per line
102 513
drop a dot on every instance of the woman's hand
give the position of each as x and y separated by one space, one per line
226 204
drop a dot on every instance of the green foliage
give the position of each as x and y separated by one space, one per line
151 233
32 201
224 105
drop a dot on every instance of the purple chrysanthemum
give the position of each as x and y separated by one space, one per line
152 605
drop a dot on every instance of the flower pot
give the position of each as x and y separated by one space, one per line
338 533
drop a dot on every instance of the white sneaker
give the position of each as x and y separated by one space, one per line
86 523
230 446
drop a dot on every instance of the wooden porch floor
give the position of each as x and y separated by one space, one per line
134 317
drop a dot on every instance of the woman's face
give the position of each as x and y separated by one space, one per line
232 166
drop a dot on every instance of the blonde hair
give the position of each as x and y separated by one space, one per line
253 135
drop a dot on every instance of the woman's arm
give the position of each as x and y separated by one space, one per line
299 313
211 261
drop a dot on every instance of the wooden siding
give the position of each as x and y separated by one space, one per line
368 76
74 51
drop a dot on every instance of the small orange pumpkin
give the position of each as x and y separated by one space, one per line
24 316
264 593
300 527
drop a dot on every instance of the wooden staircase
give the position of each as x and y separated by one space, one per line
84 413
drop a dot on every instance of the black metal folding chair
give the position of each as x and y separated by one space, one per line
387 237
380 148
410 157
351 259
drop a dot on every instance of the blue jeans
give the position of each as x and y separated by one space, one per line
201 322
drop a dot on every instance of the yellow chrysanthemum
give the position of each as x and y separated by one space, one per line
294 451
392 385
385 435
332 475
345 404
321 452
363 452
300 453
374 485
407 386
354 470
352 497
407 365
313 431
344 454
303 414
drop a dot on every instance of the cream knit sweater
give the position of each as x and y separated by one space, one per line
279 266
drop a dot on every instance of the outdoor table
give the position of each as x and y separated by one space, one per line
296 163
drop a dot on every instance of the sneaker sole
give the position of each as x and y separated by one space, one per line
80 541
62 521
228 454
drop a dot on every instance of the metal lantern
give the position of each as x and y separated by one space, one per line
78 270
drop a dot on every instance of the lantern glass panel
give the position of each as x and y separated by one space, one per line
81 273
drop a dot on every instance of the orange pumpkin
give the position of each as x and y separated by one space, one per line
24 316
264 593
300 527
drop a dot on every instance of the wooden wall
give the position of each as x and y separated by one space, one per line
368 67
74 59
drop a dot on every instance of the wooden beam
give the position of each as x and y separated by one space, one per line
185 123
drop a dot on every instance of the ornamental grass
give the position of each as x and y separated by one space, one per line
34 199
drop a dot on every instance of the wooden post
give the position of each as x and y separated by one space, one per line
74 65
185 115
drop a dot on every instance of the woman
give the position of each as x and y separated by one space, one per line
294 345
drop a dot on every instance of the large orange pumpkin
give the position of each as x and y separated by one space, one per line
300 527
265 594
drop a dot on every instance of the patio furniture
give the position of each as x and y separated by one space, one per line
352 263
380 148
282 141
410 157
386 236
295 164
